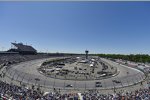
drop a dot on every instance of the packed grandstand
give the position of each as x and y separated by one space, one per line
9 90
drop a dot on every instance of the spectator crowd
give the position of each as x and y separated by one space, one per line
13 92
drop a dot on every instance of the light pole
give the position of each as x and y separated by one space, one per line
114 87
54 82
75 83
85 83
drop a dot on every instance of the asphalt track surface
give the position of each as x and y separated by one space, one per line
26 72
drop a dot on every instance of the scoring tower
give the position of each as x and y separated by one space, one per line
86 52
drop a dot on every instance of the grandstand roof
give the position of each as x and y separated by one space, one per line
22 47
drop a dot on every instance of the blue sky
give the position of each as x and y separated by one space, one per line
100 27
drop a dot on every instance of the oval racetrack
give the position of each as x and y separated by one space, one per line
27 72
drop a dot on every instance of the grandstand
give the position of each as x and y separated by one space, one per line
22 49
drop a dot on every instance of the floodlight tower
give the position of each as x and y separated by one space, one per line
86 52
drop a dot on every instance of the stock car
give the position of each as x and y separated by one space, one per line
116 81
69 85
98 84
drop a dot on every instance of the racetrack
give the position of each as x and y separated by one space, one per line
26 72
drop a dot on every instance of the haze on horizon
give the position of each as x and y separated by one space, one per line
73 27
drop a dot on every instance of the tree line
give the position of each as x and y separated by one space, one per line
135 58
